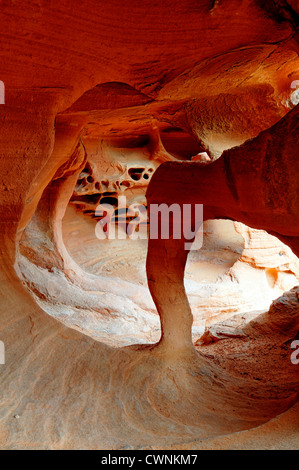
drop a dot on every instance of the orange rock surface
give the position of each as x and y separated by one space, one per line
191 101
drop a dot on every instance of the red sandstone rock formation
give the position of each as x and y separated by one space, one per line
91 86
249 181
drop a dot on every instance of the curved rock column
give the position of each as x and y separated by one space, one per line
236 186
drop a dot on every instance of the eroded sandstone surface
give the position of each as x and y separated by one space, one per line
155 102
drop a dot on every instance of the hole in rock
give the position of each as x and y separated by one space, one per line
200 63
136 173
126 260
180 144
216 276
107 264
98 285
112 201
88 199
